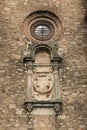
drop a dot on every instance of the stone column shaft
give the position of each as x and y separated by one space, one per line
29 84
56 81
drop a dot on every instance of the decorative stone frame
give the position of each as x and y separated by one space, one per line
42 47
43 17
55 62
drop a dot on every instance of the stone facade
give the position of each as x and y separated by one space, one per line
72 74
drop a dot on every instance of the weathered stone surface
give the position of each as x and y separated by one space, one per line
72 74
44 122
15 57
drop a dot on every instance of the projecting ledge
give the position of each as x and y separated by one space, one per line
56 104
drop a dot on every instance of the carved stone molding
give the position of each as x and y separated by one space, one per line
57 108
44 18
28 107
43 83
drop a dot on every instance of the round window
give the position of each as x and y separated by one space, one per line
42 32
42 27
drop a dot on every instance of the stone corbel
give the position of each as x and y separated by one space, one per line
58 108
27 55
28 107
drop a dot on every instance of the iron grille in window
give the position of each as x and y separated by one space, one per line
42 31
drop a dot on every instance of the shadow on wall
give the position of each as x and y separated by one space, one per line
86 17
84 2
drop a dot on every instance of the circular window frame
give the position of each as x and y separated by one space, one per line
44 18
44 23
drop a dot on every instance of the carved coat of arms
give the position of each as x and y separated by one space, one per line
43 83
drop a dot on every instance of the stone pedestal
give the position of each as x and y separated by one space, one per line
44 119
42 115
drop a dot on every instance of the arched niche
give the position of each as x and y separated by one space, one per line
42 73
42 54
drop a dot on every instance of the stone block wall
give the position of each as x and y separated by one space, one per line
72 74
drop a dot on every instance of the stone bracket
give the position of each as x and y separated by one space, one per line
30 105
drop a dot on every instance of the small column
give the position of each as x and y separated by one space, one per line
29 83
56 80
56 62
28 61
